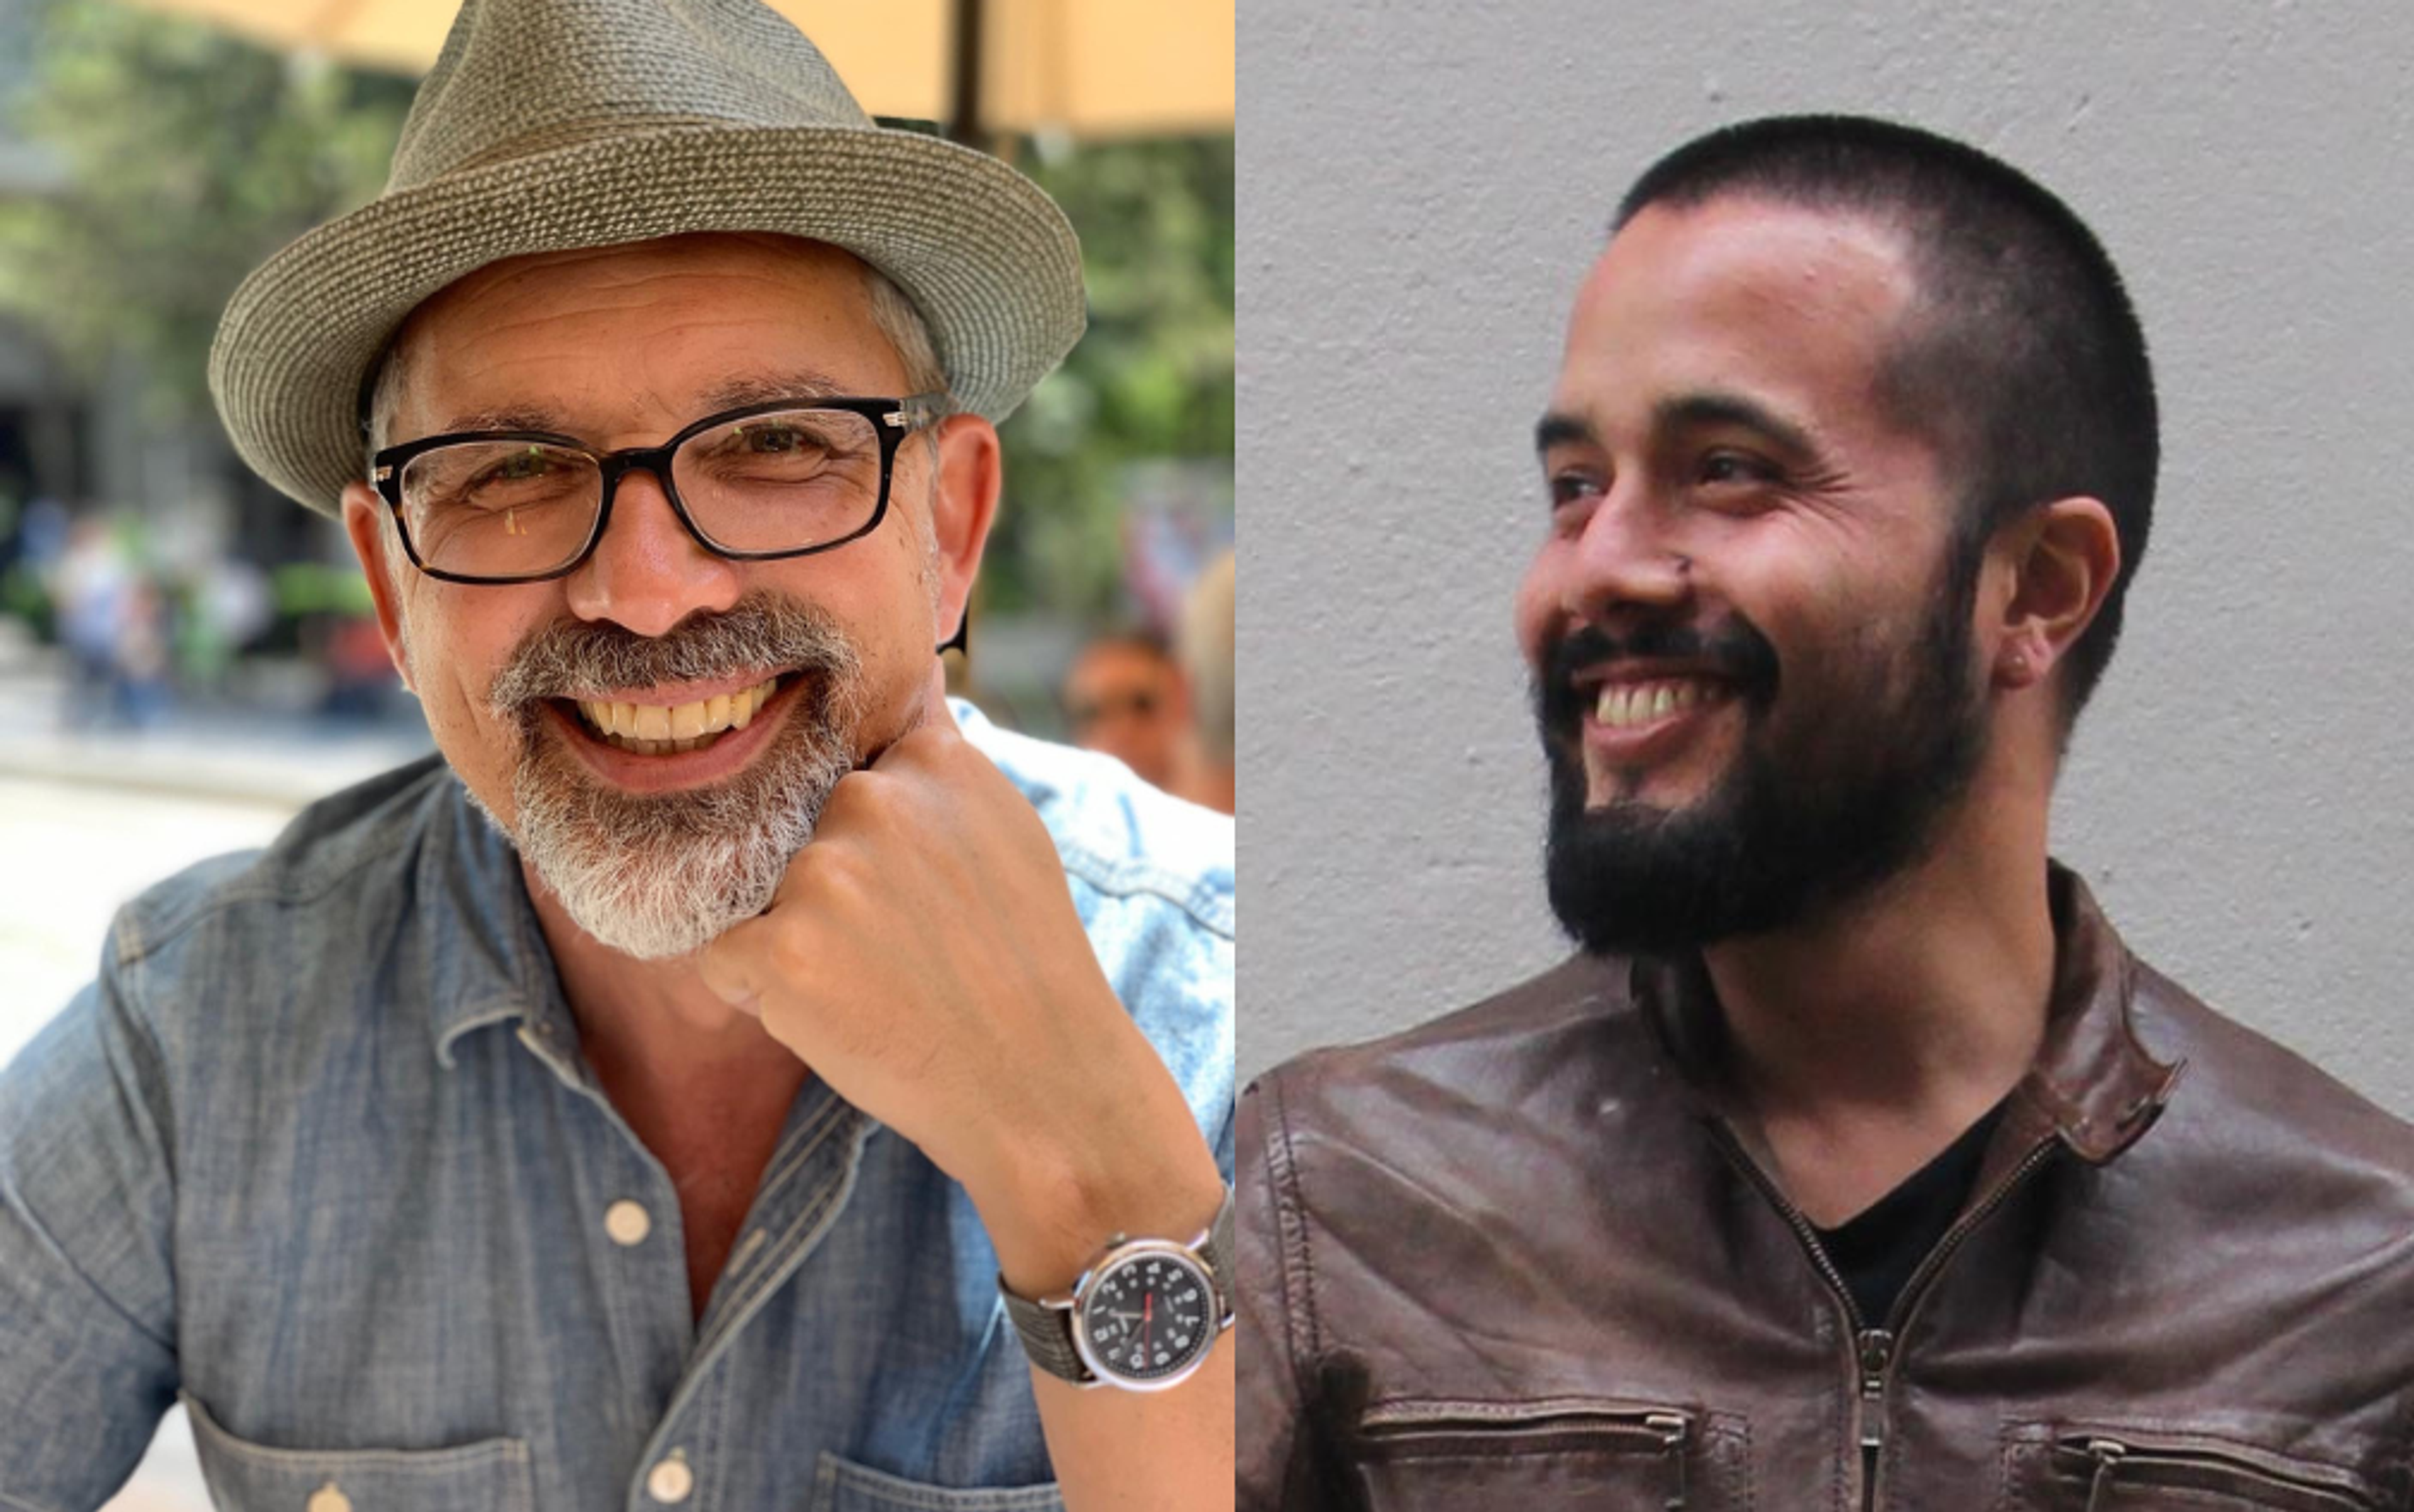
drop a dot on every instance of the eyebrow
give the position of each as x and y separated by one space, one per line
732 394
1689 412
1683 412
1559 429
524 417
762 388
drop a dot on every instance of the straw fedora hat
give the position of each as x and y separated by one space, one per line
553 125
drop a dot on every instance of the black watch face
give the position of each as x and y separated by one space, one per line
1149 1317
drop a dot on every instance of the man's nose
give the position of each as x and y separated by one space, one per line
1627 557
648 571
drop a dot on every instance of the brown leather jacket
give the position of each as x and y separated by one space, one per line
1515 1260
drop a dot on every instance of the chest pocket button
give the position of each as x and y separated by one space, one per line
670 1480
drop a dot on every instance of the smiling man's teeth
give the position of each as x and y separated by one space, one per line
655 729
1624 705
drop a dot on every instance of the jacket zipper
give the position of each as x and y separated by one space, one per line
1874 1349
1438 1423
2110 1454
1916 1288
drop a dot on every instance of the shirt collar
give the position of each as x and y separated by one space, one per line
486 961
2093 1085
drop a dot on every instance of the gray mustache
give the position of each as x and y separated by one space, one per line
761 631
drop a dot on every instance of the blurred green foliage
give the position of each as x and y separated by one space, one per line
305 588
1152 379
189 155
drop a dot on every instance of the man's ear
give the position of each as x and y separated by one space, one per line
375 543
963 506
2062 561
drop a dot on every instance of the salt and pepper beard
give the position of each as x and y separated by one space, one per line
657 875
1811 814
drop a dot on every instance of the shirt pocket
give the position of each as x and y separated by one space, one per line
2102 1467
842 1485
1553 1455
491 1475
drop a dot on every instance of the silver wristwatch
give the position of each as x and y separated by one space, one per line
1142 1316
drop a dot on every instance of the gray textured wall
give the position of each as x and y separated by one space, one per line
1421 184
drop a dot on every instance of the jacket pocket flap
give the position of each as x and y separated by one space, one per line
2107 1465
1548 1453
491 1475
842 1485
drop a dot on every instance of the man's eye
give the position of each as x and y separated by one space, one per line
1571 487
526 466
1733 468
777 440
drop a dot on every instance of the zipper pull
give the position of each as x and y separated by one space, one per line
2106 1453
1671 1428
1877 1351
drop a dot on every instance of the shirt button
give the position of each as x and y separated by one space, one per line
670 1480
627 1222
328 1498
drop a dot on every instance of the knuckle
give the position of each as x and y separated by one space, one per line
847 793
878 802
829 876
791 954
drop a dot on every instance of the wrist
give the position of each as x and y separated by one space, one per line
1060 1210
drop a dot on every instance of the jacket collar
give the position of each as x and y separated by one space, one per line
2093 1085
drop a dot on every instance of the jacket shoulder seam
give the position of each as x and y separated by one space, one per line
143 1043
1299 1305
139 1018
236 892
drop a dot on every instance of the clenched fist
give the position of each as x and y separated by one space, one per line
923 956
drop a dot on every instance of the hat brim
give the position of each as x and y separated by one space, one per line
986 257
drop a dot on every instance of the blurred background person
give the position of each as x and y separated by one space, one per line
90 586
1124 695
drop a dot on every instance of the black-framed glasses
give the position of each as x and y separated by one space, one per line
784 478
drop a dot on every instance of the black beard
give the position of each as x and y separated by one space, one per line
1802 821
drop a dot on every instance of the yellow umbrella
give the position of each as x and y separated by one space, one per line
1092 67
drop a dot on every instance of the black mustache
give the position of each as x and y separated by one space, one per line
1735 649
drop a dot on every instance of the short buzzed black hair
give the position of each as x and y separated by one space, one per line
2025 364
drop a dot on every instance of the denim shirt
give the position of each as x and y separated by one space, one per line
318 1153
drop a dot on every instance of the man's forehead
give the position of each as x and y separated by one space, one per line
683 325
1778 254
1119 659
1738 295
735 392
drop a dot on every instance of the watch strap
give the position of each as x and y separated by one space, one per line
1216 1251
1046 1334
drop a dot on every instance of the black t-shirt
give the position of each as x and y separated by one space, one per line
1878 1248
